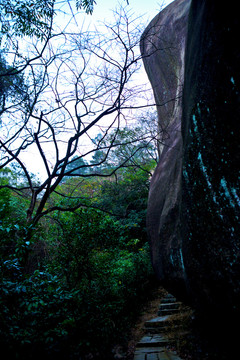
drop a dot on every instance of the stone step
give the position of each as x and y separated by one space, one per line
167 312
148 353
158 322
158 325
153 345
168 298
154 330
155 353
154 340
167 306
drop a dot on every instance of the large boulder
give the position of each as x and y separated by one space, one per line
210 214
163 51
194 201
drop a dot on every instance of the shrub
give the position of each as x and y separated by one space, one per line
80 296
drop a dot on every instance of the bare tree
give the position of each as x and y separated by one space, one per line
75 86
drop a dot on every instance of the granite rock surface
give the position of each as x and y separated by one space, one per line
163 50
191 54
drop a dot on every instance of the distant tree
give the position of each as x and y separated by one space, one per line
130 162
78 166
135 145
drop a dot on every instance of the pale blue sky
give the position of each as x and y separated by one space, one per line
148 7
103 10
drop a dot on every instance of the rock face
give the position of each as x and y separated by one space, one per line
211 178
194 201
163 50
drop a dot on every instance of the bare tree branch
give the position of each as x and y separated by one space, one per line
78 86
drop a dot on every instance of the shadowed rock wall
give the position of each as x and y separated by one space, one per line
194 201
210 212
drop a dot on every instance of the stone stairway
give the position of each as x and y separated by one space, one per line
153 345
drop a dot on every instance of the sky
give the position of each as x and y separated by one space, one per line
148 7
103 8
102 11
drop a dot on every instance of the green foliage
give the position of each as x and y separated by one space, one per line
95 255
13 227
31 17
127 192
20 18
92 272
11 86
87 5
77 166
25 18
72 285
34 310
130 146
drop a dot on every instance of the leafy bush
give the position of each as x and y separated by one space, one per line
33 311
91 276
